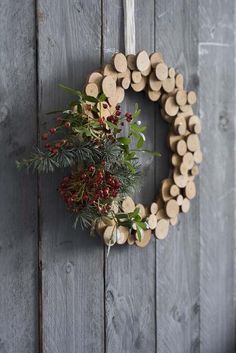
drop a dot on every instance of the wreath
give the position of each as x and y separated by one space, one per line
101 145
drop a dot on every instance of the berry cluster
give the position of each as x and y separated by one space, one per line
93 186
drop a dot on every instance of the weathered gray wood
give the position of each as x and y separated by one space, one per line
18 201
73 296
217 94
177 279
130 271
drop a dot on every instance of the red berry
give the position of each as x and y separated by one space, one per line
67 124
101 120
91 168
83 176
106 192
101 193
57 145
85 197
103 162
104 106
117 107
54 151
44 136
53 130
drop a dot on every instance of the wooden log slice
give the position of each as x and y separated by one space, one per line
197 155
100 227
154 208
168 85
185 205
179 179
147 71
188 160
193 142
146 237
138 87
183 168
161 71
142 61
179 81
122 235
185 108
142 211
171 107
109 70
165 189
109 86
173 140
192 98
136 76
125 83
109 235
174 190
181 97
162 228
181 147
195 170
156 58
92 90
154 83
180 125
120 62
194 123
128 205
179 199
176 160
172 208
171 72
152 221
131 239
95 77
174 221
153 95
190 190
131 61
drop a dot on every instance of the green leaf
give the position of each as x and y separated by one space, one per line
139 233
140 142
137 128
154 153
142 225
70 90
89 98
130 167
124 140
102 97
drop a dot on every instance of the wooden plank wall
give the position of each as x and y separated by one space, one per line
59 293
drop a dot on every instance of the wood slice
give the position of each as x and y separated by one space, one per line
146 237
108 221
192 98
175 160
100 227
152 221
190 190
109 70
161 71
194 123
195 170
109 86
162 228
197 155
109 235
180 125
172 208
122 235
164 98
174 190
120 94
197 128
95 77
142 61
166 117
188 160
165 189
142 211
125 83
179 199
193 143
179 179
128 205
168 85
154 84
136 76
131 239
124 74
174 221
120 62
153 95
185 108
185 205
154 208
155 58
171 107
171 72
131 61
161 214
183 168
92 90
173 140
179 81
147 71
181 97
138 87
181 147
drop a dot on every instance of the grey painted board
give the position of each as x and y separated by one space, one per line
217 109
177 257
130 271
18 201
72 262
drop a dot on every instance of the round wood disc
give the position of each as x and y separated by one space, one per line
172 208
168 85
181 97
131 239
197 155
120 62
174 190
188 160
146 237
142 61
185 205
125 83
92 90
122 235
165 189
162 228
179 179
179 81
154 83
192 98
131 61
183 168
193 143
171 72
175 160
136 76
156 58
180 125
95 77
138 87
147 71
152 221
195 170
190 190
154 208
128 205
109 235
154 95
181 147
109 70
109 86
142 211
161 71
100 226
171 107
179 199
174 221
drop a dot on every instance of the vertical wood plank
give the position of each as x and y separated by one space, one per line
217 94
130 271
18 201
72 262
177 280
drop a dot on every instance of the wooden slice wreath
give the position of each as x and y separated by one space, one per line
105 166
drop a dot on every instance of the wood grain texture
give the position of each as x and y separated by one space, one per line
130 273
177 291
217 175
73 291
18 201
